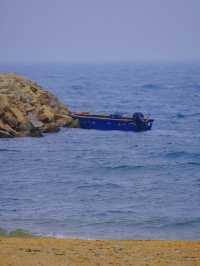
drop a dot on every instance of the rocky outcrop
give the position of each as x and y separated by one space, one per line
28 110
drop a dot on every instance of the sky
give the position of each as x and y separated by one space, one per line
99 30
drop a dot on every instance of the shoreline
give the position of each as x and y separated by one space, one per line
74 252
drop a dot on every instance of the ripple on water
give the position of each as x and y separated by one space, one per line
95 184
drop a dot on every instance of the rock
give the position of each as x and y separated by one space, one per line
34 121
9 119
35 132
3 102
5 134
51 127
28 110
46 114
5 128
75 123
63 120
20 117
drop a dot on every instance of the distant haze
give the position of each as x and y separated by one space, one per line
99 30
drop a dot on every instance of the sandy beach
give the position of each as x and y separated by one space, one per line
54 252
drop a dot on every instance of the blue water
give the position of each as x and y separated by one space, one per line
109 185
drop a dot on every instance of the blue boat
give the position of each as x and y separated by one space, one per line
113 122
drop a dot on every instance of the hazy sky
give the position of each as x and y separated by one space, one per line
99 30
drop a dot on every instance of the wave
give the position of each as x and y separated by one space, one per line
151 86
124 167
182 222
95 228
77 87
181 115
194 163
99 186
176 154
15 233
8 150
179 154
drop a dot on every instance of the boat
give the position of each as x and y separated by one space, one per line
113 122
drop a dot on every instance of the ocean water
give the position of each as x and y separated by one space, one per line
109 185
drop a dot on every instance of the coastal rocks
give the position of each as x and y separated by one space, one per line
28 110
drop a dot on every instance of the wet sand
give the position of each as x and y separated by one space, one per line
60 252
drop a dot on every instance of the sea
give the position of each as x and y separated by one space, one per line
92 184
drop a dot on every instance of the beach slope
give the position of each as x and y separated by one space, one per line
54 252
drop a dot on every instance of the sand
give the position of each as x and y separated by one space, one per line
59 252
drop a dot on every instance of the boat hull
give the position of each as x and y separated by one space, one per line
106 123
